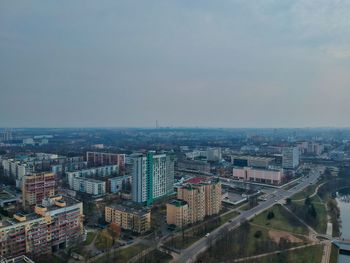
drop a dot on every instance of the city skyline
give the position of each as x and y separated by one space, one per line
128 64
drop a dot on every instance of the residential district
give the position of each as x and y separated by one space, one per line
172 195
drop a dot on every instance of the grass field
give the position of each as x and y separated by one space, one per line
245 242
334 255
304 255
197 232
307 192
89 238
282 220
155 256
103 240
321 225
122 255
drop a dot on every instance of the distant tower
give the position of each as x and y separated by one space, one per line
157 125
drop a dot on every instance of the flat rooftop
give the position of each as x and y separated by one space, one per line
32 216
130 209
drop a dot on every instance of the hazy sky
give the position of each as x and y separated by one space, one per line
184 63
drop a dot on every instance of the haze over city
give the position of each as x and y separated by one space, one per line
207 63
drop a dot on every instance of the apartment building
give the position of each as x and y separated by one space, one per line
102 171
16 170
115 184
36 187
290 157
56 224
214 154
203 199
102 159
128 218
269 176
177 213
89 186
152 177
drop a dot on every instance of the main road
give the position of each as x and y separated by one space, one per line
279 195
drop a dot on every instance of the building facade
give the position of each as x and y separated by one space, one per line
290 157
36 187
177 213
115 184
136 220
89 186
102 171
102 159
203 199
152 177
253 161
56 224
258 175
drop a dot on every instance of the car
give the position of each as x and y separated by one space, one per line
207 234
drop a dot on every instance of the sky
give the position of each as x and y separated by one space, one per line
227 63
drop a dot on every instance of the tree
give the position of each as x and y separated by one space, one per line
114 231
270 215
258 234
288 201
307 201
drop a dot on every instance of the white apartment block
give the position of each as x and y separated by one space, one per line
152 177
101 171
89 186
290 157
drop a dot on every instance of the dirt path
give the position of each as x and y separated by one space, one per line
272 253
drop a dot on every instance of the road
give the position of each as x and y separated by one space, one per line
279 195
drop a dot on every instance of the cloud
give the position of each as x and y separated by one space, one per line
209 63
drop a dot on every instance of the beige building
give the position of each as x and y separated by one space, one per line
37 186
268 176
203 199
212 198
136 220
177 213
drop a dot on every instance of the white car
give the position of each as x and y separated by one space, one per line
207 234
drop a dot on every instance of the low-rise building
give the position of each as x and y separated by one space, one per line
253 161
194 165
258 175
129 218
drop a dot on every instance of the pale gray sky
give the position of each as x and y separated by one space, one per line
221 63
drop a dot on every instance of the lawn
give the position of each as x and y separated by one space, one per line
89 238
155 256
334 254
311 254
247 240
197 232
228 216
307 192
282 220
321 225
122 255
104 240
